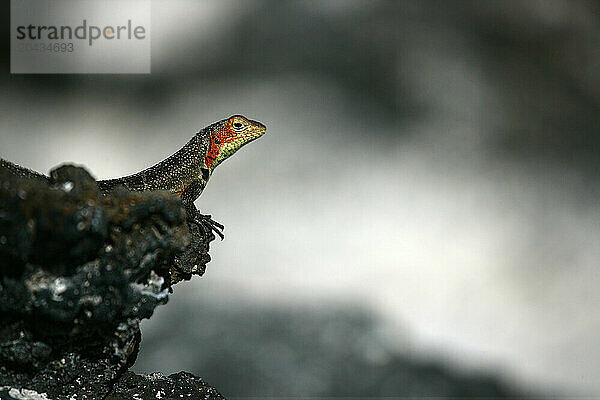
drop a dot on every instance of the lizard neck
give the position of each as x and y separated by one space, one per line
213 155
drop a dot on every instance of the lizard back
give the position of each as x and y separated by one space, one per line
173 173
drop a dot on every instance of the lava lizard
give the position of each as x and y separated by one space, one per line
187 171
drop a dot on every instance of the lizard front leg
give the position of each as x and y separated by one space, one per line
205 222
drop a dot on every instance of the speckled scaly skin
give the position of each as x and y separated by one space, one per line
21 171
186 172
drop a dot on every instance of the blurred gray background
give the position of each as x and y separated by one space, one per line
422 212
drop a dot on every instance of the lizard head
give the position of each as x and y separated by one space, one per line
231 134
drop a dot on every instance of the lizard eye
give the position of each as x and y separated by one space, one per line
239 126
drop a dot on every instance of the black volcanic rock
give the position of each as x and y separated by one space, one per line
158 386
78 271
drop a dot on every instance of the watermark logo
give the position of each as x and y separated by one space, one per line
80 36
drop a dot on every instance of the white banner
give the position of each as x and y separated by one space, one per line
80 36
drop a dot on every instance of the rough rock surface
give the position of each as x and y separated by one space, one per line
78 271
158 386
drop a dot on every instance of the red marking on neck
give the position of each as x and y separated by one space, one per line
217 139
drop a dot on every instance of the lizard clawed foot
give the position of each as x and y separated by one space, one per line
211 224
205 222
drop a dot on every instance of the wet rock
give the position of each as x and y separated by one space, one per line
79 269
